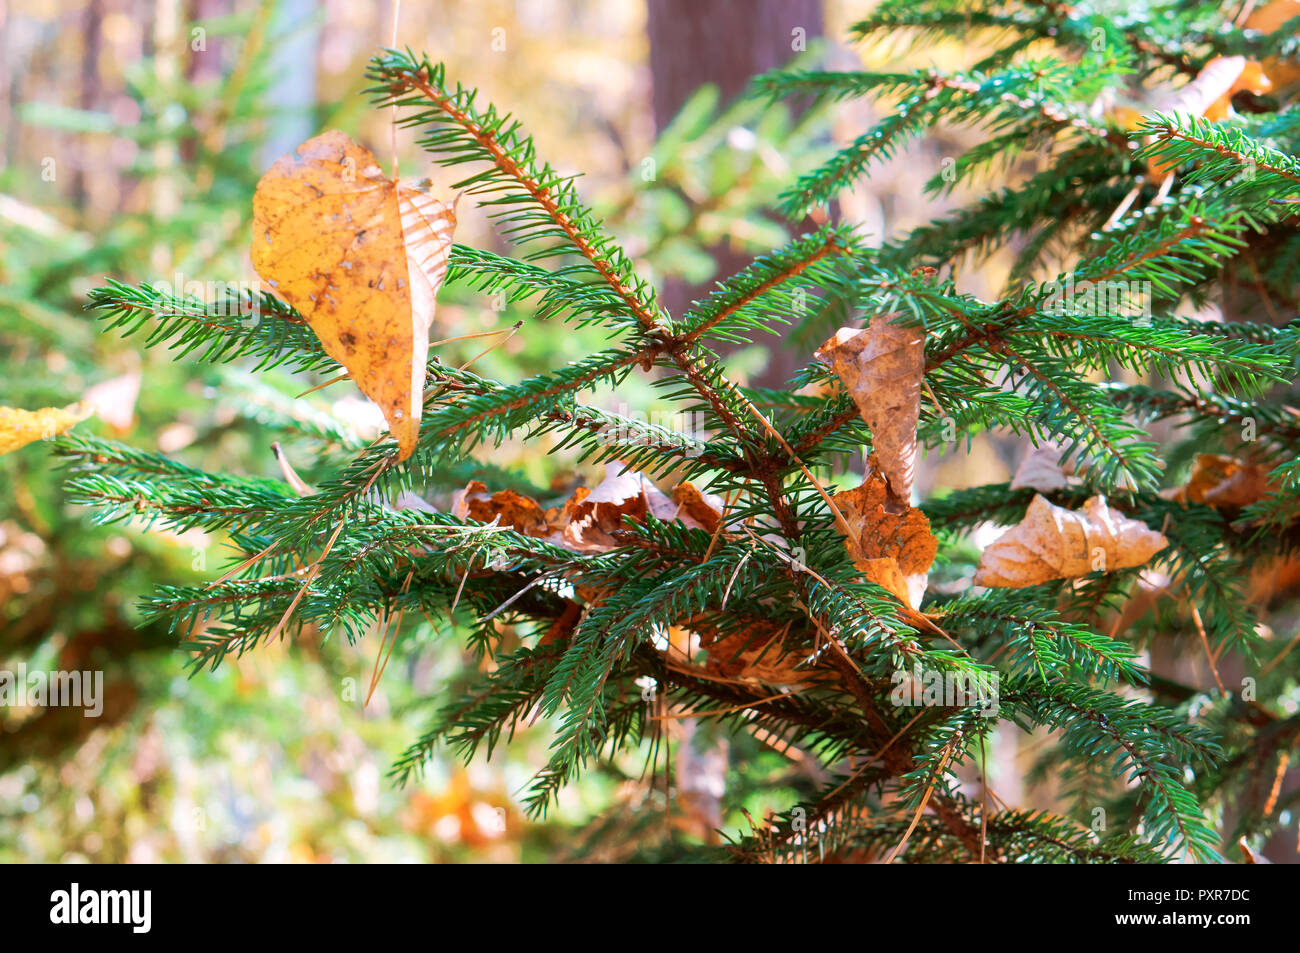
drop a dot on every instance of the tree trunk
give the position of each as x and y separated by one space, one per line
723 42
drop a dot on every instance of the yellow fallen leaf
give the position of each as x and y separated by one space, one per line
362 257
882 367
20 427
884 572
1052 542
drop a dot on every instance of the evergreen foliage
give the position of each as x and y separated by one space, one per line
1178 771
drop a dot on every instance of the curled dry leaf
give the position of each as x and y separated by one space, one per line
1209 95
362 257
114 400
1041 470
697 509
591 516
505 507
882 367
1220 480
885 532
588 520
757 652
1052 542
20 427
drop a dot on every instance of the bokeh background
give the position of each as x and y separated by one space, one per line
132 135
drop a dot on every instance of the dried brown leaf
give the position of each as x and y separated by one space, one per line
589 519
506 507
1220 480
884 572
1052 542
884 529
696 509
1041 470
591 516
758 652
882 367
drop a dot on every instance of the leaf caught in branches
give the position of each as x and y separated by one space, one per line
362 257
591 516
1041 470
20 427
506 506
1221 480
1210 93
882 367
589 519
1052 542
697 509
1209 96
760 652
891 542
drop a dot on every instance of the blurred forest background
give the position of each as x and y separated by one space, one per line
132 135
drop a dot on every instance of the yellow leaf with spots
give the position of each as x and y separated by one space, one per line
20 427
361 256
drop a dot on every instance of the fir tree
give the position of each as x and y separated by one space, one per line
1148 767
